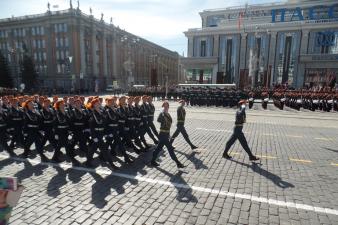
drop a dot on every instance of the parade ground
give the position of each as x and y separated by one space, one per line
295 182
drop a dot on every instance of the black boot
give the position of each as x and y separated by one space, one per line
193 147
253 158
226 155
154 163
179 165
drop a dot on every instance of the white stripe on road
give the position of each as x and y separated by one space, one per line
185 186
226 131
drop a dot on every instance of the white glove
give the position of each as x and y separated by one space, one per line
110 135
42 133
96 140
25 135
243 106
69 137
56 137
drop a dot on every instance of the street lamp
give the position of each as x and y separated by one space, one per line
129 64
70 59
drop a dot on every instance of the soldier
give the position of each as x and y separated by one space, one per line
97 132
113 139
139 130
151 116
3 132
15 123
78 124
180 126
48 119
32 122
165 119
238 133
122 113
62 129
145 112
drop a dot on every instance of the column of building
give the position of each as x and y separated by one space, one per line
243 74
300 75
272 57
215 54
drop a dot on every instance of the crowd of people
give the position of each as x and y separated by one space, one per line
325 99
113 129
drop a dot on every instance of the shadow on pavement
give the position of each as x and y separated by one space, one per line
273 177
30 170
196 161
183 188
330 149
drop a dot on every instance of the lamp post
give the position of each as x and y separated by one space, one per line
129 64
70 59
12 52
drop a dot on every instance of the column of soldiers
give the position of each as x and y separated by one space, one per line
69 122
323 101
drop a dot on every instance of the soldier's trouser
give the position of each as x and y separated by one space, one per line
3 139
149 132
98 143
153 128
33 137
163 139
80 139
17 136
113 141
181 129
63 142
50 137
238 134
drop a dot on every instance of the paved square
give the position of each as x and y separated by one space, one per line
296 181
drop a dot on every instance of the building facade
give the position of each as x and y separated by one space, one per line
72 50
294 43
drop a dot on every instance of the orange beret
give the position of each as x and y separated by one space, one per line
242 101
58 103
25 104
180 101
94 101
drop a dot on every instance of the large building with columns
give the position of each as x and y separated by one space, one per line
73 50
292 42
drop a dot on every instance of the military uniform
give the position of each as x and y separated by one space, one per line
165 119
113 139
238 134
48 119
31 128
180 127
15 123
3 132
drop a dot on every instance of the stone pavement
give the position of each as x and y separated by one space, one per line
296 181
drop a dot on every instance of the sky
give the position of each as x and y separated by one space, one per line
160 21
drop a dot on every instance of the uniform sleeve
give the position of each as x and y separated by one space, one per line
160 118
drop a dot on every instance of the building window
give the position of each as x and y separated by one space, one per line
57 55
62 56
43 44
66 42
42 31
203 48
44 56
64 27
58 68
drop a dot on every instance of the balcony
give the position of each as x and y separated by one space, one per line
306 58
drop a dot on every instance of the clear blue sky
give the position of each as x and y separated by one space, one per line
160 21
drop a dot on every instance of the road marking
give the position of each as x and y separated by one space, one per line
268 157
300 160
294 136
324 139
234 153
226 131
334 164
186 186
266 134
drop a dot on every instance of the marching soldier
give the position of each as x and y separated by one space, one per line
78 124
112 131
48 119
3 132
15 123
145 111
151 116
97 132
180 126
165 119
238 133
62 129
31 130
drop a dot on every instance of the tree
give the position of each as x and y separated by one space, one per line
29 75
5 76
